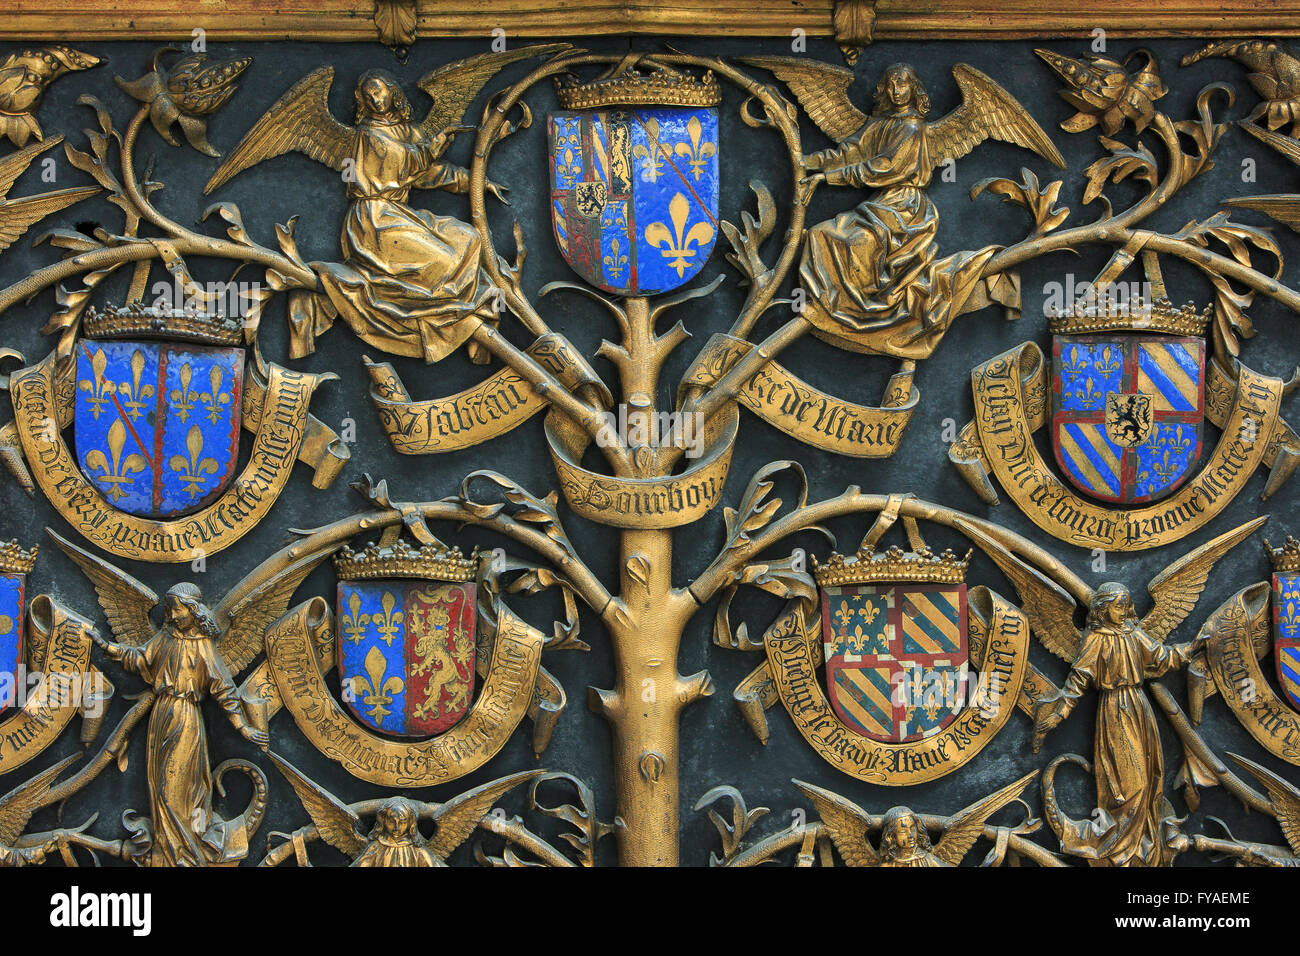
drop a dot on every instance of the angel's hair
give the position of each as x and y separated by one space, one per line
1104 597
397 815
399 109
888 848
190 596
920 98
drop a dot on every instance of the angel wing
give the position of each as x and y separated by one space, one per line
335 822
298 121
457 818
453 87
247 617
126 601
1048 606
821 89
19 215
1282 795
986 111
18 805
967 826
1176 589
847 823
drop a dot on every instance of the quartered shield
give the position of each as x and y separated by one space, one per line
897 657
406 654
1127 413
12 605
634 194
157 423
1286 633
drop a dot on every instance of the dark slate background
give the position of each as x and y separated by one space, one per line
716 748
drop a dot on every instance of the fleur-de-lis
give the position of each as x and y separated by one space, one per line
355 624
614 262
182 398
651 164
99 388
568 153
193 470
376 692
216 398
844 614
391 623
680 244
696 153
120 471
1109 363
136 393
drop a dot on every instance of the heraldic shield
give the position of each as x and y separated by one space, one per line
1286 618
1128 400
15 564
634 179
897 657
406 637
158 406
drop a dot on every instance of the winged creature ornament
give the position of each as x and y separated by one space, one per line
873 277
395 838
410 282
904 839
190 657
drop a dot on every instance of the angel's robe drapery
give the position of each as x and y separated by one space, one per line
1127 760
385 852
183 669
411 281
871 275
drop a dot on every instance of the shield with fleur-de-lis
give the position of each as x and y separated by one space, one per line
406 638
1127 412
157 422
634 188
15 564
896 648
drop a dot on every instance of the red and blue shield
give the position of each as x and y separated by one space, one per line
634 194
12 605
897 657
157 423
1286 633
406 654
1127 413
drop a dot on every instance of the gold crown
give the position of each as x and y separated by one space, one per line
431 562
1285 558
1133 315
14 559
630 88
867 567
140 321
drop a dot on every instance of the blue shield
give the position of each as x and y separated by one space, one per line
897 657
406 654
12 605
1127 413
634 194
157 424
1286 634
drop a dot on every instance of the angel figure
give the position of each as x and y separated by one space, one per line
395 838
190 658
411 282
1116 654
904 837
872 276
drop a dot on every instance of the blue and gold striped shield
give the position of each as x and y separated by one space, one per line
157 424
12 612
896 657
1127 413
634 194
1286 633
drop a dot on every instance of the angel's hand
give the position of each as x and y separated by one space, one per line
114 651
254 736
812 161
496 189
815 179
1047 717
33 856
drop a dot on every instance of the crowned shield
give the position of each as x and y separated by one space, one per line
897 656
406 638
634 188
1286 618
15 564
1127 412
158 408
